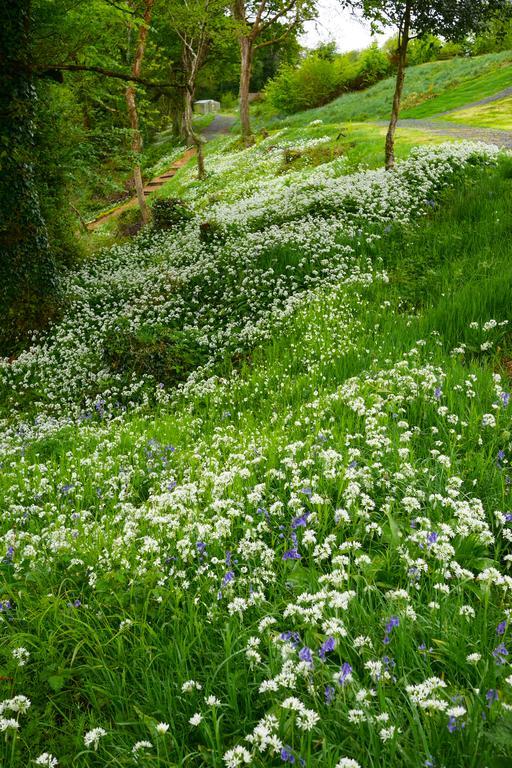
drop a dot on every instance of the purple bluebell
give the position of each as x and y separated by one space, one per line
500 653
292 554
392 623
229 576
492 695
346 671
452 724
287 755
305 654
302 520
327 647
292 637
501 628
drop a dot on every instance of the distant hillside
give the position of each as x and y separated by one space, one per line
429 89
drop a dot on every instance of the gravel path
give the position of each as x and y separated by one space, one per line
458 131
221 124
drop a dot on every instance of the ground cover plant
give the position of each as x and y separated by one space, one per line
256 485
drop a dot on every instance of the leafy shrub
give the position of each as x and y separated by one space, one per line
170 212
166 354
373 65
315 82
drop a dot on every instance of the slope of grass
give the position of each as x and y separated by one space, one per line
450 81
473 89
497 114
305 558
282 153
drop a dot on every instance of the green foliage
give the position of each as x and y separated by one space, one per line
168 355
373 65
170 212
315 81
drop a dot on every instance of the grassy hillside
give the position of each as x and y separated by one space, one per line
256 482
473 89
428 89
496 114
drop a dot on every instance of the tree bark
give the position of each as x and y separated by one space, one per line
28 271
192 136
132 110
403 42
246 59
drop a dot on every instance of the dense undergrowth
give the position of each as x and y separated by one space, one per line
302 553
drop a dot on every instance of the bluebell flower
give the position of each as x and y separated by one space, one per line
492 695
227 578
500 653
300 521
346 672
327 647
501 628
305 654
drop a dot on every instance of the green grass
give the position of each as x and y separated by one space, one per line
496 114
428 89
472 90
274 419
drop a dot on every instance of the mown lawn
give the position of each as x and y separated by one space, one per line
496 114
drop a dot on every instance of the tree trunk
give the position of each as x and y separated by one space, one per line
136 149
399 84
246 56
28 271
192 136
132 110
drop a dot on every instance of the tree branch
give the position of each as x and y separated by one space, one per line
278 15
100 71
293 24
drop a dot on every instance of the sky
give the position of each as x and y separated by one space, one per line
332 23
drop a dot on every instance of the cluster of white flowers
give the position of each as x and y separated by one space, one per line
322 535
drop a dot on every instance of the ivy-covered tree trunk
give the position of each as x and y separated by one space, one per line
28 272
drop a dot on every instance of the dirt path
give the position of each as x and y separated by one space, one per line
150 187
